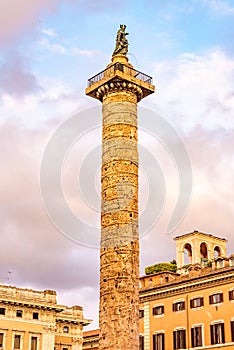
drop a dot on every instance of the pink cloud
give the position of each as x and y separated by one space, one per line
17 17
15 78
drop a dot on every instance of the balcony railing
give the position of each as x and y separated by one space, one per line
121 68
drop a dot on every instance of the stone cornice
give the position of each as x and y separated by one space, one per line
17 302
118 86
187 285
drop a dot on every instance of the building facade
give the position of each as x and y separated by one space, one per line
192 309
32 320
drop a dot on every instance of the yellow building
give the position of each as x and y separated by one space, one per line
192 309
32 320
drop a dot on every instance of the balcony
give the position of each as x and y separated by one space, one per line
120 67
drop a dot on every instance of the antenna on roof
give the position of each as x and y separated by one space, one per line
8 276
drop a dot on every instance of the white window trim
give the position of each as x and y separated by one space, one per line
217 321
36 334
203 331
178 300
160 315
179 328
159 331
21 333
197 307
216 292
4 331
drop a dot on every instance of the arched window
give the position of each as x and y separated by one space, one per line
187 254
217 252
203 251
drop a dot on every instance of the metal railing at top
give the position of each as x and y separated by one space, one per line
122 68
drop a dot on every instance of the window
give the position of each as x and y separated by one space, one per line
216 298
34 343
217 333
158 341
1 340
158 310
19 313
179 339
17 341
178 306
141 342
2 310
65 329
196 302
231 294
196 336
232 330
35 315
141 313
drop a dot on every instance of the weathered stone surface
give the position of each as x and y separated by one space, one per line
119 271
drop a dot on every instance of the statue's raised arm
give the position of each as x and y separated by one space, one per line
121 47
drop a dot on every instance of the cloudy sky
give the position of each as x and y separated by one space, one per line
49 48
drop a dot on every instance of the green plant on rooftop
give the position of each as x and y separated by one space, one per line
161 267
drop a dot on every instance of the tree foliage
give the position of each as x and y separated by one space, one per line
161 267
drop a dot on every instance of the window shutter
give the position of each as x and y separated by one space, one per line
174 340
212 335
230 294
162 309
202 301
173 307
154 311
192 337
223 334
211 299
1 339
232 330
191 304
221 297
163 342
154 341
183 305
199 340
183 336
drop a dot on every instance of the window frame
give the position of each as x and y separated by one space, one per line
176 304
214 332
212 298
2 311
192 302
19 313
195 338
179 339
155 341
31 342
155 310
18 336
141 342
67 329
232 329
2 335
231 295
35 315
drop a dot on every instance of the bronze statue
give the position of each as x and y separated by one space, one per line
121 46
